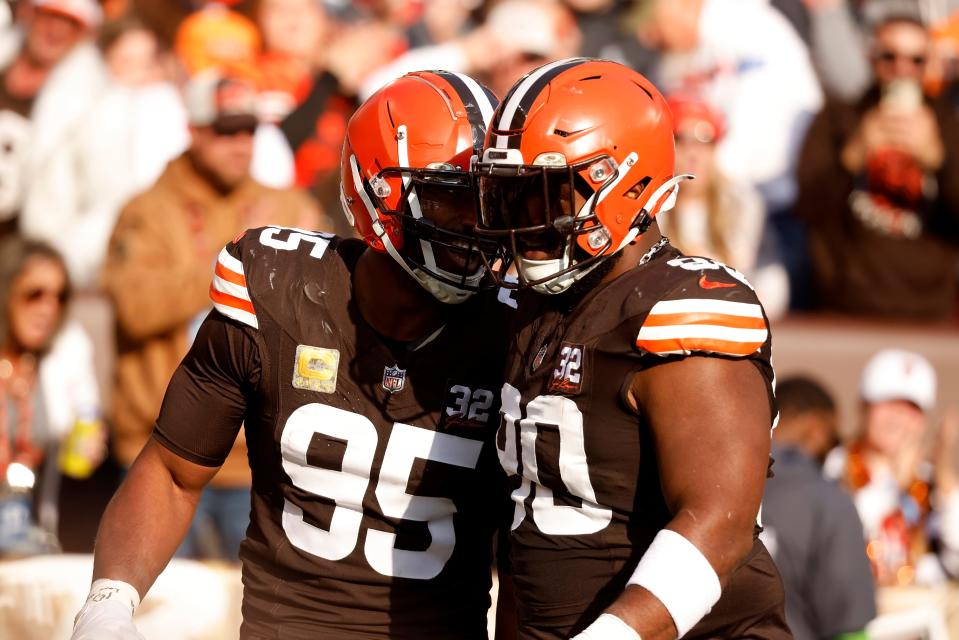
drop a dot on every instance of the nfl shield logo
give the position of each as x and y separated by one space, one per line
394 378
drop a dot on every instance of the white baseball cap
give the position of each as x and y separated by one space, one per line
86 12
220 100
895 374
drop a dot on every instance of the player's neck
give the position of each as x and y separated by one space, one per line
634 252
391 302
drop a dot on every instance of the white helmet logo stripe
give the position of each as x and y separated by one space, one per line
509 109
482 100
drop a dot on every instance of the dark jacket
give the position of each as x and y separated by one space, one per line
882 243
815 535
158 277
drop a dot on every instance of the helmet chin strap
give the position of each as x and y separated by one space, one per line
670 201
536 269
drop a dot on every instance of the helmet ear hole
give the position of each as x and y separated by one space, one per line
582 187
637 189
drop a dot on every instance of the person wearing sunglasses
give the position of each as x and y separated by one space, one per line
47 385
157 275
879 188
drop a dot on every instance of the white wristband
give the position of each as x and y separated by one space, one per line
105 590
608 627
680 577
108 613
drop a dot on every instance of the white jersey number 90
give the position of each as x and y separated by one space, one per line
518 457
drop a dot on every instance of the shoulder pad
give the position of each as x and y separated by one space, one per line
712 311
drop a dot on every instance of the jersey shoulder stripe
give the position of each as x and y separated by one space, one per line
696 325
229 291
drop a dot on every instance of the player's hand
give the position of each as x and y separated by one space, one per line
869 137
105 621
918 133
108 613
607 627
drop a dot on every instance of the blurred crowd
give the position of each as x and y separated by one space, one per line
137 137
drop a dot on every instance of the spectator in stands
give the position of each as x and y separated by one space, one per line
607 35
160 264
47 385
52 29
135 126
836 41
745 59
303 52
879 189
294 33
516 37
717 216
887 471
442 21
218 38
811 524
943 73
537 31
215 36
163 16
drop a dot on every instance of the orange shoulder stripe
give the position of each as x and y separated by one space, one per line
717 319
219 297
229 276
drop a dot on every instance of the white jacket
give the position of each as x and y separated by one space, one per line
752 65
68 382
95 145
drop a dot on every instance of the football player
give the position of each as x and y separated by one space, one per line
366 375
638 403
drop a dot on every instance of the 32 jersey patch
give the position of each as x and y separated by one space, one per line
568 375
469 405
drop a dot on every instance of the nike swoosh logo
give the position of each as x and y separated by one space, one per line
709 284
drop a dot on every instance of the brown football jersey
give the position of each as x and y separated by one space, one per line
376 488
583 470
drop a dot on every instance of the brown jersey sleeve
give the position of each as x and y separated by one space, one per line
716 314
206 399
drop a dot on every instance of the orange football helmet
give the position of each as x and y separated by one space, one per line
405 178
577 162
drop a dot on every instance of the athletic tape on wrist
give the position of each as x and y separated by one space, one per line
608 627
103 590
680 577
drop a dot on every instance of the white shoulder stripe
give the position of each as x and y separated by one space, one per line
713 332
237 314
231 289
700 305
229 261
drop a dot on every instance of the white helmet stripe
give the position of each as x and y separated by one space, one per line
403 157
364 197
516 97
402 153
482 99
